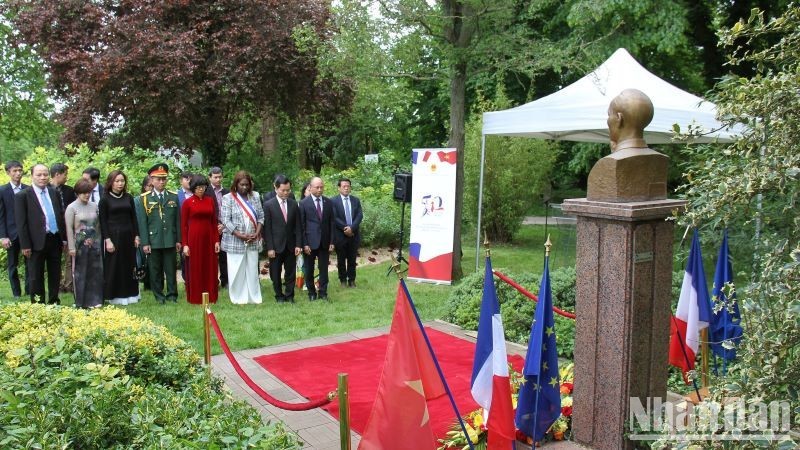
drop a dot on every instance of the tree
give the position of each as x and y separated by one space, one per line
755 183
25 107
177 73
515 173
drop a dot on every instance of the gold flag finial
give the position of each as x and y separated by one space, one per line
547 246
486 244
397 268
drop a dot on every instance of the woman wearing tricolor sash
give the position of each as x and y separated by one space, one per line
242 216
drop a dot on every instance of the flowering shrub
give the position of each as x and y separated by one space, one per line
105 379
476 427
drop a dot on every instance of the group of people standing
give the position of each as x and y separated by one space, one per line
96 224
217 232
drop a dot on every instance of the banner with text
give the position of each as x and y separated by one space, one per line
433 197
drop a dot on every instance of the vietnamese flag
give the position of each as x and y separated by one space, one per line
399 417
448 157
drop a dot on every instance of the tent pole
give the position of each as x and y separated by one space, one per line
480 203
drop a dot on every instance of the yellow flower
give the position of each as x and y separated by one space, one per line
477 419
566 401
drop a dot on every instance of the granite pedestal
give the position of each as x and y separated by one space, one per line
624 274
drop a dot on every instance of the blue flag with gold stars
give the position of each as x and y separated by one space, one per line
539 402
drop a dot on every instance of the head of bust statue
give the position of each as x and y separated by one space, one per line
628 114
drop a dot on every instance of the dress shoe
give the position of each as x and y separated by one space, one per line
323 296
280 298
312 297
351 284
342 284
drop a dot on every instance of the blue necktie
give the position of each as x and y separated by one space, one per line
347 215
52 227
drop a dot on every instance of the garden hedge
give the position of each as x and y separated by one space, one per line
105 379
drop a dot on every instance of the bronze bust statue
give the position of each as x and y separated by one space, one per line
632 172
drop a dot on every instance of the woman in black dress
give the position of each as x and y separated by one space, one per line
121 238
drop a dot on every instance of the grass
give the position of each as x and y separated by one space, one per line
252 326
369 305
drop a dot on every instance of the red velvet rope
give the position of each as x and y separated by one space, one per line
261 393
530 295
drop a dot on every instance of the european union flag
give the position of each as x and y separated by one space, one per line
539 402
725 323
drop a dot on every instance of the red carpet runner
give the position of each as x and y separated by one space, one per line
314 370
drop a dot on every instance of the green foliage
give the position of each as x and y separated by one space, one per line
515 172
754 185
25 109
134 162
464 304
105 379
373 184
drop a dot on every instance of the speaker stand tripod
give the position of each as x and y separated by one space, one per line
400 234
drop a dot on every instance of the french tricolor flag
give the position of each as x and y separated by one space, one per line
693 312
491 387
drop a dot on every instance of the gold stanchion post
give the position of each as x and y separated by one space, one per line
206 333
344 412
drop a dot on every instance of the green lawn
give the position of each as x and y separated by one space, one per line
367 306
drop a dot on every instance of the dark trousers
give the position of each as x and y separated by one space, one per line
322 256
346 253
12 264
184 269
49 257
162 263
222 257
288 262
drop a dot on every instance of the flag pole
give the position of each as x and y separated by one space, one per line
396 266
685 355
547 246
704 342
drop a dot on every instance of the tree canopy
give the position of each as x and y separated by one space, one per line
25 107
177 73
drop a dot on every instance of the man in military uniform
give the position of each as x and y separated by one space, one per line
159 218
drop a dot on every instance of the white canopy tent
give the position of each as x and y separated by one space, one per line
579 111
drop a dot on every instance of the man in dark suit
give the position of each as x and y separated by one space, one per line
215 178
347 217
92 175
8 226
316 218
42 233
59 172
266 196
282 238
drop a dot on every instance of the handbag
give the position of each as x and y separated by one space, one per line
140 269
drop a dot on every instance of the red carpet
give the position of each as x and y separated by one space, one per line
313 372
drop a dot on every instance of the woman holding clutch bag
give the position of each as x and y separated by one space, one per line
83 239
